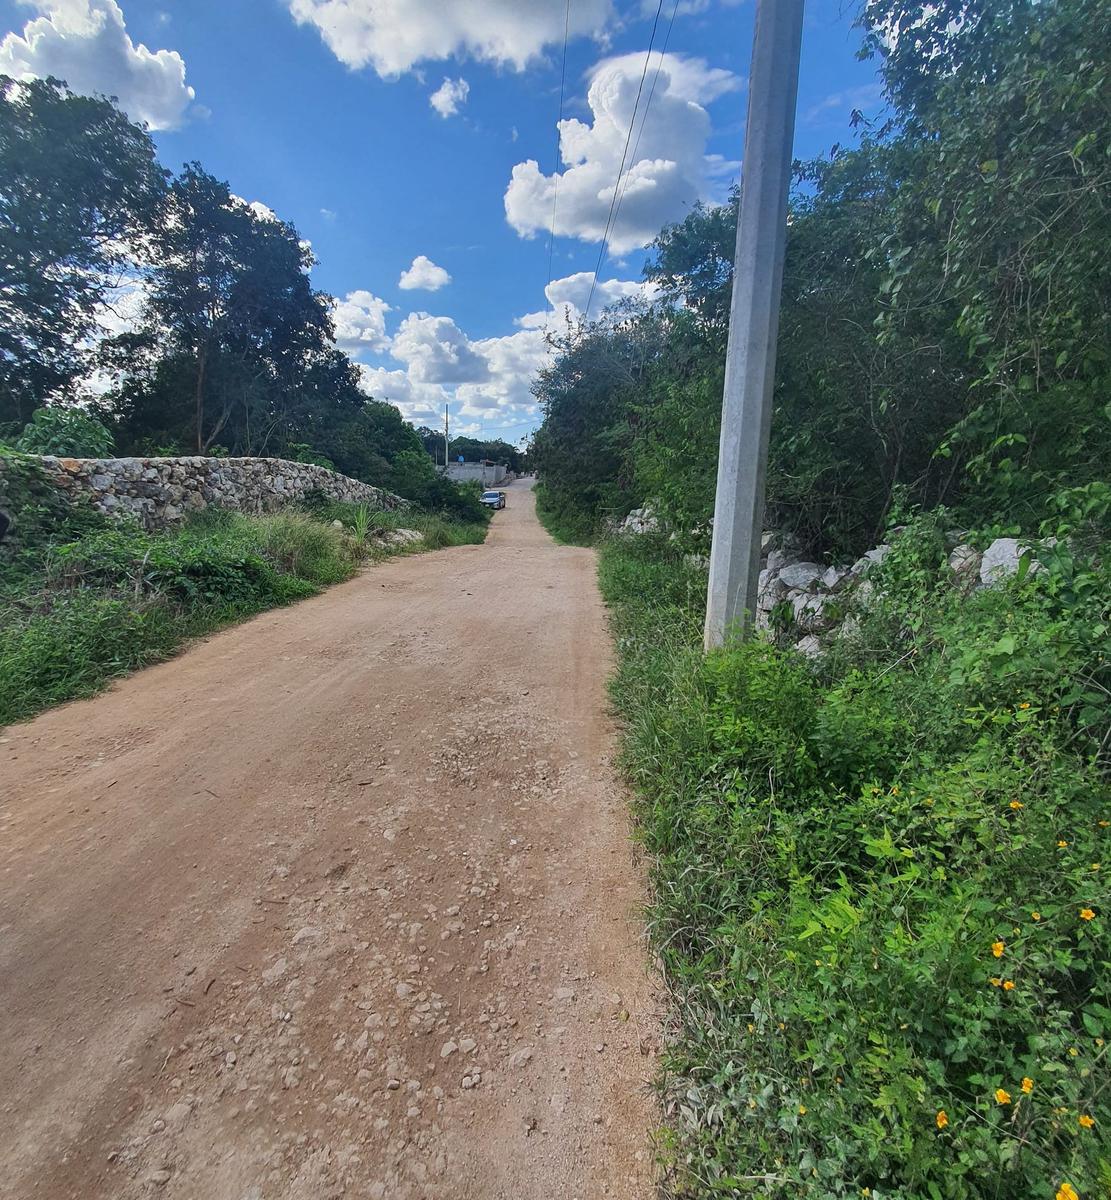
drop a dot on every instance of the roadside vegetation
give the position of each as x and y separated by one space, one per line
85 598
944 331
880 897
879 873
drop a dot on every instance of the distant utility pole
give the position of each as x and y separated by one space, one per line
754 321
447 440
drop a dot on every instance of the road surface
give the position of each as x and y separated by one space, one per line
340 902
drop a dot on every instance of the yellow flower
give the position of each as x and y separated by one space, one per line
1086 1122
1035 915
1099 1041
1017 804
894 791
1008 985
1073 1052
1024 705
1002 1096
995 981
1104 824
1086 914
1027 1084
1066 1192
997 949
1095 866
802 1110
1061 845
942 1118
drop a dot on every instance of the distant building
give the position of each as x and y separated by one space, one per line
489 474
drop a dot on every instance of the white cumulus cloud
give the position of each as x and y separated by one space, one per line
86 43
393 35
421 403
448 97
486 381
360 321
423 274
667 168
436 350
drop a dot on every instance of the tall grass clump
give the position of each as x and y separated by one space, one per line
371 528
880 895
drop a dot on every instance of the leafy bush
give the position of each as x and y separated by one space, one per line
40 513
66 432
457 501
880 893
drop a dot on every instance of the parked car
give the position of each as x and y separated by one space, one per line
493 499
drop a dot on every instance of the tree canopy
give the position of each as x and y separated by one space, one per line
944 327
232 350
79 190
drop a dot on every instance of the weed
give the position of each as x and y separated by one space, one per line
84 599
879 896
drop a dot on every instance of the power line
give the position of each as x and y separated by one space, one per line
558 143
624 155
647 106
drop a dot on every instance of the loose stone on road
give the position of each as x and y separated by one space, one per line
341 902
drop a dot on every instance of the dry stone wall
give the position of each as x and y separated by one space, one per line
160 492
812 603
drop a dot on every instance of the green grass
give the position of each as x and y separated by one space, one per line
439 530
86 599
838 850
567 526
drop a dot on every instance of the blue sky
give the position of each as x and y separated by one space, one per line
414 141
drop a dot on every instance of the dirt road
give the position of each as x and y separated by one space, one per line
339 903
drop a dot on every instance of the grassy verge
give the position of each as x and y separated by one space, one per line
437 529
86 599
566 526
879 884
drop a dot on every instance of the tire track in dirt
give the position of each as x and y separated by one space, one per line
341 902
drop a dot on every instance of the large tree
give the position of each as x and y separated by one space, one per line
79 188
232 317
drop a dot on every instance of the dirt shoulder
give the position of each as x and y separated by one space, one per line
341 902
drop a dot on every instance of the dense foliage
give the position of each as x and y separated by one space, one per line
880 887
66 432
944 331
79 186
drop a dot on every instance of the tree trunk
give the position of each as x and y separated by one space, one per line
199 396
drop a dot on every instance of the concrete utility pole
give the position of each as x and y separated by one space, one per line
754 321
447 440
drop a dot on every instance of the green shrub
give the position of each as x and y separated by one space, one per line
40 513
67 432
457 501
880 894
